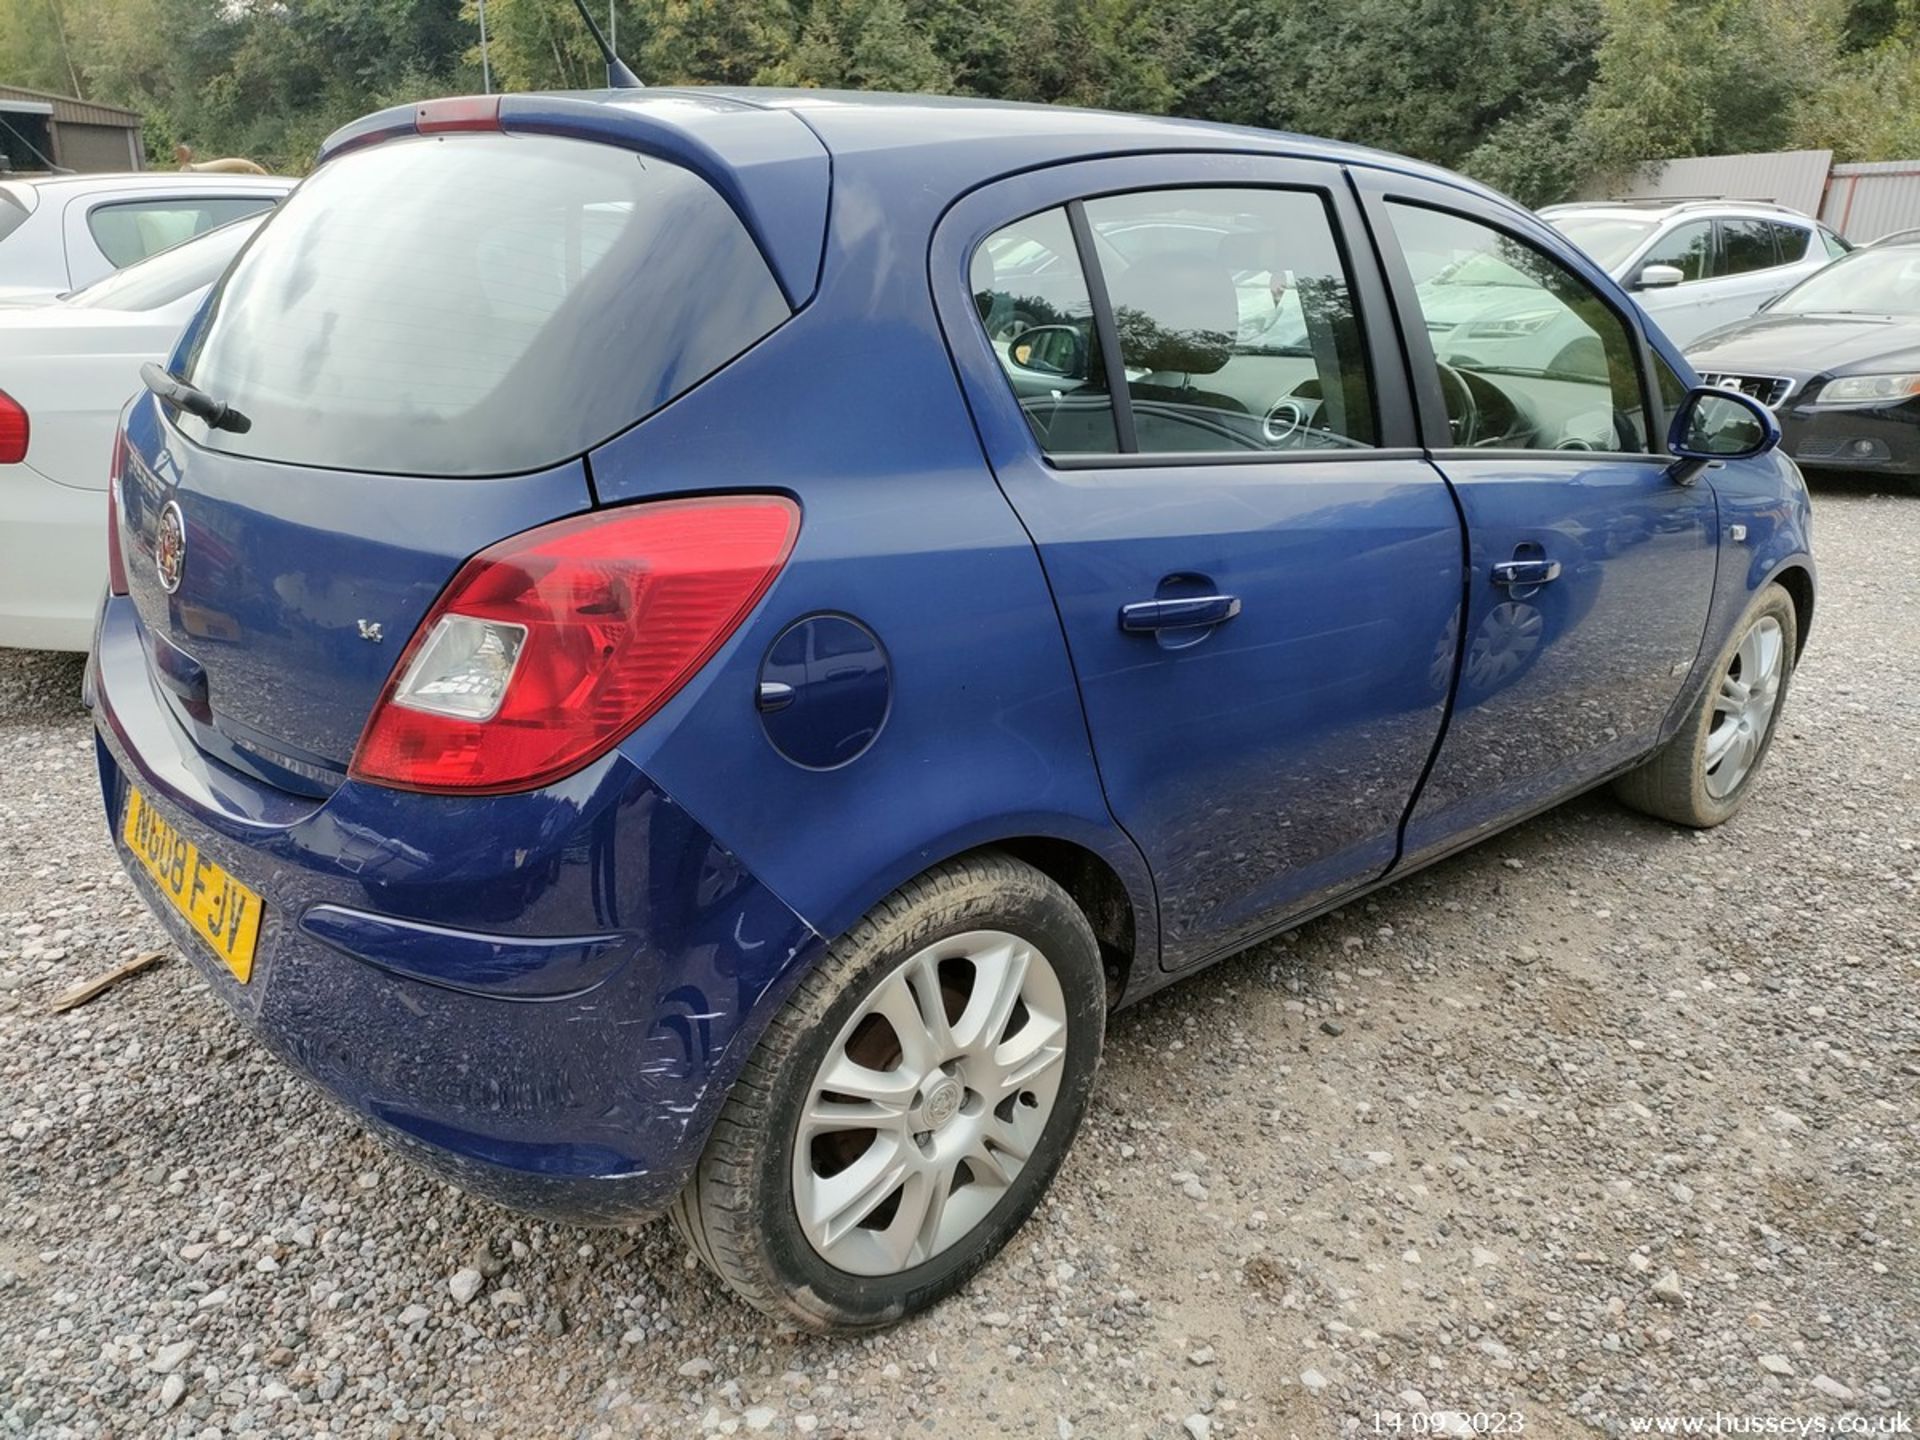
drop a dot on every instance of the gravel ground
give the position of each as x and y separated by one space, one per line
1600 1120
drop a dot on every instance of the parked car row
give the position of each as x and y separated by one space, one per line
1773 304
98 275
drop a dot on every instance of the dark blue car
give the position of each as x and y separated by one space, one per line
681 650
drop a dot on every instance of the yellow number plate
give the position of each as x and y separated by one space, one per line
224 912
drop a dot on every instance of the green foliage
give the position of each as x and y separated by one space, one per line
1532 96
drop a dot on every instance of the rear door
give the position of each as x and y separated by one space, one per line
1209 439
1590 569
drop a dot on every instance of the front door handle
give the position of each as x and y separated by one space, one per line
1178 613
1520 573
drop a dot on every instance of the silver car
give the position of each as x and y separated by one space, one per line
61 232
1696 265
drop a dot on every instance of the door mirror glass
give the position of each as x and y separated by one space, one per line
1050 350
1659 277
1714 424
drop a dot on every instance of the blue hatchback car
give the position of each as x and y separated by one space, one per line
681 650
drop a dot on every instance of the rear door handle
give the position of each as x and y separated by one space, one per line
1181 613
1525 572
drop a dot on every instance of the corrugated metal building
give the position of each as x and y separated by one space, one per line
41 132
1858 202
1796 178
1864 202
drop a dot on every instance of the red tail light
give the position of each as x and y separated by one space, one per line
459 112
550 647
14 430
116 563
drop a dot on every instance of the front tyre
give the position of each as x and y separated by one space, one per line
910 1103
1702 775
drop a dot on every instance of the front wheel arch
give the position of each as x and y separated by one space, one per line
1797 581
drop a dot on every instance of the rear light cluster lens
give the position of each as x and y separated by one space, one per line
14 430
550 647
116 562
458 112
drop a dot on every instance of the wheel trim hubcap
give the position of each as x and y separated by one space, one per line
929 1102
1743 707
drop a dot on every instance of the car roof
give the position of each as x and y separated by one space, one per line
863 120
775 155
1656 211
155 180
1000 133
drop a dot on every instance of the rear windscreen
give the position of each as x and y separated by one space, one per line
477 305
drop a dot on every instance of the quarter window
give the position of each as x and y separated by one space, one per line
1688 248
135 229
1529 357
1031 294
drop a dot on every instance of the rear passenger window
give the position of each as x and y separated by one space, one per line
1031 294
1748 245
134 229
1529 356
1235 319
1234 316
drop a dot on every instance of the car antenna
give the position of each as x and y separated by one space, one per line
619 77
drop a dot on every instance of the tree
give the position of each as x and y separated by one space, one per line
1704 77
861 45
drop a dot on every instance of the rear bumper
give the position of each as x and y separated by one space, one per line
53 561
544 996
1857 438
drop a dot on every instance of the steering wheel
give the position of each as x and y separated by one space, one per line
1463 411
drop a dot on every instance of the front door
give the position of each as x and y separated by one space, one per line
1205 428
1590 567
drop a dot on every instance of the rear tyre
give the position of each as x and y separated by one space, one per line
910 1103
1702 775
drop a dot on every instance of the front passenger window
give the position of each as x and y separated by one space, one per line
1688 248
1529 356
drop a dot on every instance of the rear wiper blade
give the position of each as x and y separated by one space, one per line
195 401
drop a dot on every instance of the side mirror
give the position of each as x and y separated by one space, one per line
1658 277
1059 350
1714 424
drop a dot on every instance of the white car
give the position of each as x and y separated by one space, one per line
1696 265
63 232
67 367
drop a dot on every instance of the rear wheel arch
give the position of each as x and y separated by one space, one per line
1096 887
